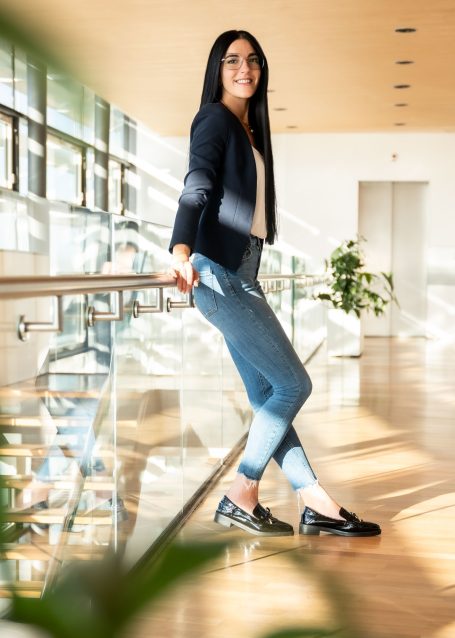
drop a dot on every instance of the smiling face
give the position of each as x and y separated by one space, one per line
239 84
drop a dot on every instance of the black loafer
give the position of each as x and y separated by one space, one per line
313 523
261 522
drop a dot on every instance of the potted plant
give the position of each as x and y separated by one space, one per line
350 291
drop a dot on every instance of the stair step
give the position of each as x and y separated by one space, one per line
57 515
45 552
43 451
55 384
25 589
37 450
24 424
35 421
21 482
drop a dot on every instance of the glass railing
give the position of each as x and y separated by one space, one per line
110 429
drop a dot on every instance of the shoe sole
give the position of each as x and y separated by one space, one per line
221 519
314 530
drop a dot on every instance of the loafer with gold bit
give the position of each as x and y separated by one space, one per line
350 525
260 522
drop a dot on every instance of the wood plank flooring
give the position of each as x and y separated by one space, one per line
379 432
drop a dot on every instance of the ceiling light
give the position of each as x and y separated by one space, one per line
404 62
400 124
401 86
401 104
405 30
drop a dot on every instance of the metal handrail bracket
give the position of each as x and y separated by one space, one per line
187 303
25 327
116 314
140 309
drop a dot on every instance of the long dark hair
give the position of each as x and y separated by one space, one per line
258 113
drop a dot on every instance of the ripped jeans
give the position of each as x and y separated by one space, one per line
276 382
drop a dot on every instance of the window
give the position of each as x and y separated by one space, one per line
65 177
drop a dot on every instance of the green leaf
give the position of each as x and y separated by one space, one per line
350 284
97 599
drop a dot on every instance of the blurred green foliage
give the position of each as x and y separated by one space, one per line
24 38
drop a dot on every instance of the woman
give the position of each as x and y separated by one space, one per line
226 212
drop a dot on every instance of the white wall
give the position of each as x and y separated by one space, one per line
317 178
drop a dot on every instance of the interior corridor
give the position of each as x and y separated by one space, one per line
379 433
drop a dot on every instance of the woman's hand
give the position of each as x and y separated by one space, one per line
182 269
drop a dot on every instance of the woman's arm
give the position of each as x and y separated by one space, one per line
209 134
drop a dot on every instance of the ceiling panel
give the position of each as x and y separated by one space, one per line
332 63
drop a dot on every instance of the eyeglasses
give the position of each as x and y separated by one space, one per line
234 62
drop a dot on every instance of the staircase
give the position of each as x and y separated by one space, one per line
56 478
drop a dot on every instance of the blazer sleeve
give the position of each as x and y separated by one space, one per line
208 139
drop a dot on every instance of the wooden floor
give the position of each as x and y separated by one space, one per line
379 432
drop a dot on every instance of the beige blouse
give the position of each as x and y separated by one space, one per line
259 227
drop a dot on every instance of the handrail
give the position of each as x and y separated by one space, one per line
48 286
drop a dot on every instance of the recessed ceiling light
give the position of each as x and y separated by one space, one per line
401 104
280 108
401 86
404 62
405 30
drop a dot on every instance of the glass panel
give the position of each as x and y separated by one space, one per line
6 73
23 156
148 356
88 234
20 81
201 402
107 431
88 116
117 145
115 187
90 178
6 151
309 316
64 171
65 104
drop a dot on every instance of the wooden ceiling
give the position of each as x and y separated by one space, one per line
333 63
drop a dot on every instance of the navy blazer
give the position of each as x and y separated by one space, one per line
216 207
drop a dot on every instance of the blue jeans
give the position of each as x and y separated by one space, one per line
276 382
